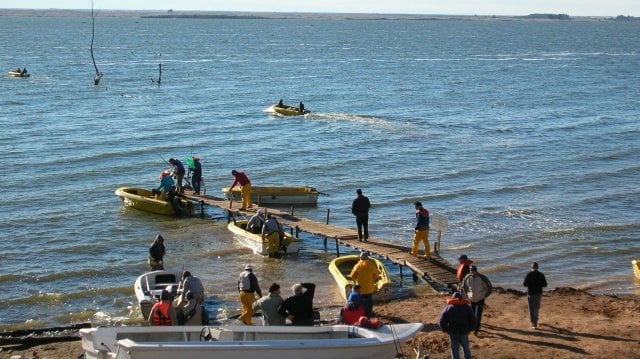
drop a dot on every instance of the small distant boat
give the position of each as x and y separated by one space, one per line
636 267
149 286
145 200
259 245
341 268
276 195
18 74
246 342
289 110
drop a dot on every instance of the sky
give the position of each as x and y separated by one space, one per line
431 7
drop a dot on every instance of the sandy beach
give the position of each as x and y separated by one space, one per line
573 324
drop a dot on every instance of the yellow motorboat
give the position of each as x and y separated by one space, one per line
260 245
276 195
636 267
341 268
289 110
144 200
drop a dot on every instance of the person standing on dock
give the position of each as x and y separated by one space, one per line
245 188
421 230
360 209
196 177
178 172
247 286
534 281
366 274
156 253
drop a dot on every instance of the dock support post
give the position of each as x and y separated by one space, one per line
325 238
201 209
291 211
337 248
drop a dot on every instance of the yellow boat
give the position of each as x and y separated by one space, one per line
276 195
289 110
259 245
636 267
341 268
144 200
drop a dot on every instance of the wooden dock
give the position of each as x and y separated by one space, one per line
435 270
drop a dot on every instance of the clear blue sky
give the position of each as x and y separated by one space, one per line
451 7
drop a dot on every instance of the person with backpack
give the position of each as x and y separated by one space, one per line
477 287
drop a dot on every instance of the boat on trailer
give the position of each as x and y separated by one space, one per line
246 342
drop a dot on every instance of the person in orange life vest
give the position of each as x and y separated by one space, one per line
421 230
163 313
464 267
353 309
247 286
366 274
245 188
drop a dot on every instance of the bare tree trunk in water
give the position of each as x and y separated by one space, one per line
96 80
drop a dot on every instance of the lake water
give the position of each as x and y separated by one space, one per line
523 134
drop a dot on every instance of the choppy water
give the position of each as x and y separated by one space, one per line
525 135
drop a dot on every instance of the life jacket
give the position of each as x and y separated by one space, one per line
161 314
351 316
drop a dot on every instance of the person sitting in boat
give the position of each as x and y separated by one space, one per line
256 222
192 313
274 234
353 309
24 71
301 107
167 188
156 253
299 307
163 312
280 104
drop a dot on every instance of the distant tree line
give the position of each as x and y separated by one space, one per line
626 18
548 16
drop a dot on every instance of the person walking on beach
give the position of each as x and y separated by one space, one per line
464 268
269 305
457 320
156 253
178 172
360 209
421 230
477 287
298 308
247 286
366 274
534 281
245 188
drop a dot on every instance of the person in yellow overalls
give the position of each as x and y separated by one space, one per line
421 230
245 188
247 286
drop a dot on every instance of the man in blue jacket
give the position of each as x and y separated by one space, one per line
457 320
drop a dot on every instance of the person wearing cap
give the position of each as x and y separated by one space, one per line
156 253
163 313
421 230
196 175
534 281
366 274
256 222
193 284
269 305
457 320
477 287
178 171
298 308
247 287
464 267
360 209
167 188
245 188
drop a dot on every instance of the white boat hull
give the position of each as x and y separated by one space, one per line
149 286
255 241
250 342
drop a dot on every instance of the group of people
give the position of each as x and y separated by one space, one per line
298 308
171 185
300 107
184 306
463 312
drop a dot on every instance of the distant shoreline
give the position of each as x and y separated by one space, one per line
163 14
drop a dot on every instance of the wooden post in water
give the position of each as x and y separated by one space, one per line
201 209
325 238
337 248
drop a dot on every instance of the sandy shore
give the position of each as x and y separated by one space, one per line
573 324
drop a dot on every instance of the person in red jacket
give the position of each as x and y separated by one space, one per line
163 312
245 188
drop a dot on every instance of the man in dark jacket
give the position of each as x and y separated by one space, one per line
299 307
534 281
458 321
360 209
156 253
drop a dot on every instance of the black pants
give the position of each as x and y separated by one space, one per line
363 224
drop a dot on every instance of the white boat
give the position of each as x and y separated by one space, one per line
276 195
150 285
250 342
291 244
